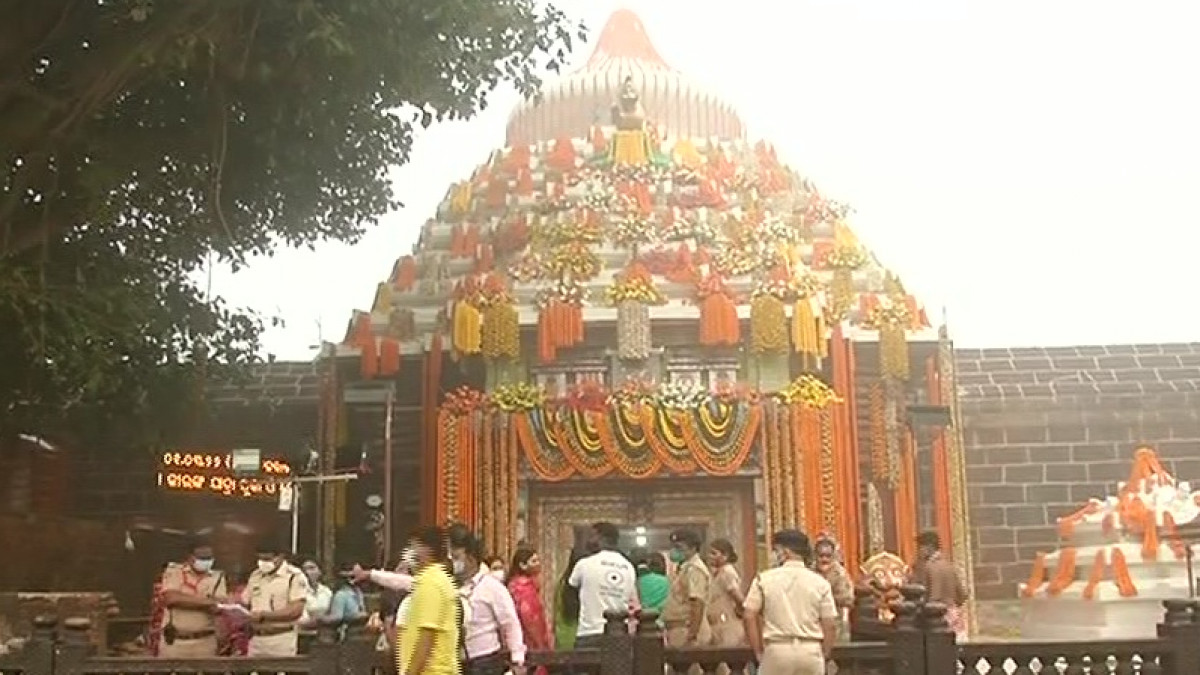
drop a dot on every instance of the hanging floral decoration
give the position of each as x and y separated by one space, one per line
844 259
808 321
800 473
577 260
810 392
890 315
517 397
560 317
500 335
638 430
719 323
466 319
768 315
632 293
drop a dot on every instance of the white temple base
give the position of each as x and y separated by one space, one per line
1075 619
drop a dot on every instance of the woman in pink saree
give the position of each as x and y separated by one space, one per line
527 596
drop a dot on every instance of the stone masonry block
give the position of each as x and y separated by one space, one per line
1049 493
1095 452
1024 516
987 516
1022 473
1064 473
985 475
1108 473
996 536
1002 494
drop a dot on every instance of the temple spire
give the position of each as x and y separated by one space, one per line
624 37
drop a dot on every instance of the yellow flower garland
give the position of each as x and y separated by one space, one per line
768 325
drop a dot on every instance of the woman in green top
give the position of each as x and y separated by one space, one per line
653 585
566 606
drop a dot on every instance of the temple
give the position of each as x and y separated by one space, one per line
632 313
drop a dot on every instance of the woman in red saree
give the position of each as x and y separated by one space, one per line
527 596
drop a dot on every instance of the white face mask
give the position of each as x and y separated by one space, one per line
267 566
499 574
459 566
408 558
202 565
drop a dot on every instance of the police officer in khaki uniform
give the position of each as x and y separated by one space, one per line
191 593
790 615
275 594
683 614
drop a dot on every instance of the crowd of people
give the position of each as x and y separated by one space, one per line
451 608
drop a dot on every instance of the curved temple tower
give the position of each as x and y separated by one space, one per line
631 313
1121 556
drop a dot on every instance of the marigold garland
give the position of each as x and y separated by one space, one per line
500 334
719 323
810 392
768 325
808 330
466 329
881 466
560 318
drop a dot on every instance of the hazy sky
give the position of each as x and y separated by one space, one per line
1031 165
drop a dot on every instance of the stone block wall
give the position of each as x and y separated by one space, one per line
1047 429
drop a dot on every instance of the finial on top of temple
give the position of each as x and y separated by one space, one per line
627 112
624 37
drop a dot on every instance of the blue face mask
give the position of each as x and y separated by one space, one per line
202 565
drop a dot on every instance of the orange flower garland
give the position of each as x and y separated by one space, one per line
719 324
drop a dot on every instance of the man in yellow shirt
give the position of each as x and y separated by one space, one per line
429 642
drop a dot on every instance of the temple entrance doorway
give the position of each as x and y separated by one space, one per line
560 516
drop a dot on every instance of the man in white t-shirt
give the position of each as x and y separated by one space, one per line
606 581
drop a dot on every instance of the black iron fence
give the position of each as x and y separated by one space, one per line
918 642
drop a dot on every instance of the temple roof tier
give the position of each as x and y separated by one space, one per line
570 219
571 105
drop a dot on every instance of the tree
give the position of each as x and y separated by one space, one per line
143 138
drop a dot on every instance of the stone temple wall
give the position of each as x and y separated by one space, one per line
1046 429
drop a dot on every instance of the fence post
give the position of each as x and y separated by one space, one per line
616 649
75 648
325 653
907 638
649 651
941 648
1180 628
38 654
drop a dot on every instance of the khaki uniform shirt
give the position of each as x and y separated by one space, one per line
184 579
273 592
690 583
792 600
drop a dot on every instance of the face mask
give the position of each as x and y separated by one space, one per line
202 565
678 556
777 558
314 576
459 567
499 574
408 558
267 566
